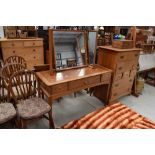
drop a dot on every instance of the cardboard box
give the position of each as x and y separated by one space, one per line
122 44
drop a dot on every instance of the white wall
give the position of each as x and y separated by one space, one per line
1 32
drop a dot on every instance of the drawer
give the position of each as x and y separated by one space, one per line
59 88
82 83
106 77
116 94
118 76
134 55
33 53
12 44
33 43
126 74
123 56
31 63
7 52
128 56
128 82
125 66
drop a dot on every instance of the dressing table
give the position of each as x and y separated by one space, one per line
59 81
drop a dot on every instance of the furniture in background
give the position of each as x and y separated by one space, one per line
30 49
14 32
7 110
24 91
65 82
113 116
124 63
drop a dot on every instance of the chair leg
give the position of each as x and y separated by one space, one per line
23 124
51 122
75 94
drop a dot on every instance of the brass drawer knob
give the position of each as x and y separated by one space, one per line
120 68
14 51
115 94
116 85
34 50
122 57
33 43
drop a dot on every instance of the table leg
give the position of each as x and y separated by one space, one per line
51 122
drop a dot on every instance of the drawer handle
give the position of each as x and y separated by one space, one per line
14 51
116 85
13 44
34 50
136 55
33 43
34 57
120 68
130 80
121 57
115 94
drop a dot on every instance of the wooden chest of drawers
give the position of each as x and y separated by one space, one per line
30 49
124 63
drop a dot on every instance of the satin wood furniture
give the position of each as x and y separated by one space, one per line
124 63
58 84
30 49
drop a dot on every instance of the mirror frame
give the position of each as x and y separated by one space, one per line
94 59
52 52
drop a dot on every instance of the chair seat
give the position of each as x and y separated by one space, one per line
32 108
7 112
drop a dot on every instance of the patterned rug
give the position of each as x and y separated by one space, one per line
113 116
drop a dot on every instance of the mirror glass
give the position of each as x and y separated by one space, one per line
92 42
69 49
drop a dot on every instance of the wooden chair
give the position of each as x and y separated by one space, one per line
15 59
7 110
7 71
29 105
1 63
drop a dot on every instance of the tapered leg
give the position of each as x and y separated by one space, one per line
51 122
23 124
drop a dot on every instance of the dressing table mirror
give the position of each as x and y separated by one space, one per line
92 44
68 49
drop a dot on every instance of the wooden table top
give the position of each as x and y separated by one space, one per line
119 50
70 75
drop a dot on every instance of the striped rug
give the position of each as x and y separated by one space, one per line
114 116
